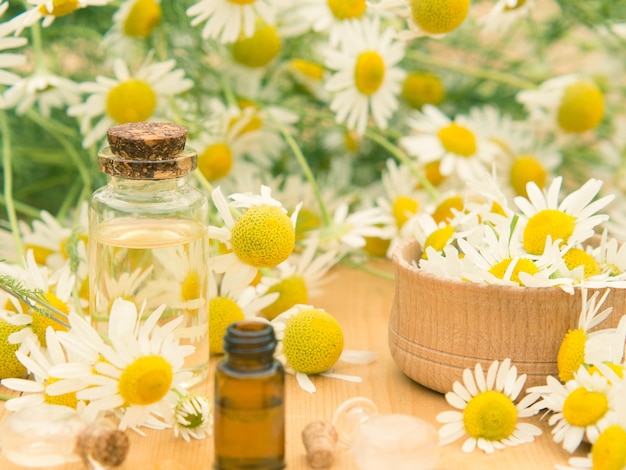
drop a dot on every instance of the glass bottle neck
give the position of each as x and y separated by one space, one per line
138 185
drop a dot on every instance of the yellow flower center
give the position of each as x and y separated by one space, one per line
131 101
65 399
525 169
571 354
578 257
292 291
438 239
376 246
190 289
39 252
443 212
582 107
490 415
369 72
403 208
583 407
609 450
439 16
254 122
259 49
142 18
308 69
60 7
241 2
617 368
263 236
347 9
146 380
222 312
420 88
216 161
557 224
458 140
432 173
10 366
523 265
41 322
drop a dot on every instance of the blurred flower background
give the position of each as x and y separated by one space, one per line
367 123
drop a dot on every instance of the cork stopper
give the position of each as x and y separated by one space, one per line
147 150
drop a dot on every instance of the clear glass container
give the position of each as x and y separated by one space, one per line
249 414
148 234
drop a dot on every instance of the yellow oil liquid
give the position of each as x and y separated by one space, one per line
154 261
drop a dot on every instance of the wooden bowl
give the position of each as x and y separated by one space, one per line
438 327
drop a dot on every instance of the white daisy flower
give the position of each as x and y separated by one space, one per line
505 13
49 10
332 17
488 414
9 60
227 21
133 21
581 407
193 417
367 80
129 97
261 236
139 372
571 221
565 104
460 149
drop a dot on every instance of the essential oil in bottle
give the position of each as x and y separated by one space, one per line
249 415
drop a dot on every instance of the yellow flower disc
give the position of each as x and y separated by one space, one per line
10 366
313 341
443 212
523 265
584 408
582 107
308 69
146 380
292 291
65 399
420 88
222 312
525 169
263 236
376 246
609 450
439 16
39 252
490 415
259 49
432 173
577 257
60 7
41 322
403 208
438 239
216 161
369 72
131 101
242 2
571 354
458 140
557 224
347 9
142 18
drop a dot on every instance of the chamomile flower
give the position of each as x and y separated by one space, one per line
571 221
139 372
133 21
582 346
581 407
227 21
332 16
454 142
505 13
193 417
261 236
49 10
129 97
489 415
568 104
367 80
9 60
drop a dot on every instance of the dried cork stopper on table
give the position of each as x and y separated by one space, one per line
147 150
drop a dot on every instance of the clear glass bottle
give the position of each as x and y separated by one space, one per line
249 414
148 233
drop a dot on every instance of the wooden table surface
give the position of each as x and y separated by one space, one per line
361 303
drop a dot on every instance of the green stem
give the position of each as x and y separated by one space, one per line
8 185
5 397
367 269
492 75
403 158
304 165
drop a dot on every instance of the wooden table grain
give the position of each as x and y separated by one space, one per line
361 302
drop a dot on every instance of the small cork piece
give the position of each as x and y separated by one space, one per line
147 150
320 441
102 443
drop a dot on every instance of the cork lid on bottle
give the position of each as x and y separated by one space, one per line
147 150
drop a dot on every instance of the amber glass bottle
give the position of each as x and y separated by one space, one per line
249 428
